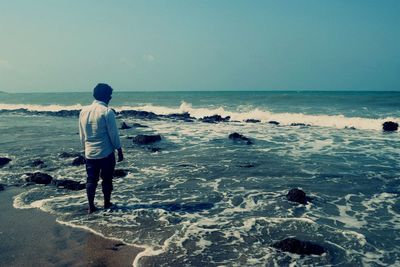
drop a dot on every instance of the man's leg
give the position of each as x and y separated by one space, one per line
107 172
93 171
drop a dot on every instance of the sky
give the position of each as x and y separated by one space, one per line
169 45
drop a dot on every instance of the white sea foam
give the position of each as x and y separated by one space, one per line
323 120
41 108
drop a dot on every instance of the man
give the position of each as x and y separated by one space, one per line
99 137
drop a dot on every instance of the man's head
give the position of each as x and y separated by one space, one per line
102 92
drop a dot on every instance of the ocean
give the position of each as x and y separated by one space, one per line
198 198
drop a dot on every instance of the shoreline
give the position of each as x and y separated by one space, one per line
34 238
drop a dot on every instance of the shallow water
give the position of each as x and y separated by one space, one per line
204 200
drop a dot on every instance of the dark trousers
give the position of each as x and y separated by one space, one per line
103 168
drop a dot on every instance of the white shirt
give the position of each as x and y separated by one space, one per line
98 130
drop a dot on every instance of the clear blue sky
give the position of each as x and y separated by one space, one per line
49 45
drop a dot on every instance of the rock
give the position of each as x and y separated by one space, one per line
215 119
252 121
139 114
4 161
80 160
142 139
390 126
248 165
300 124
297 195
37 163
138 125
2 187
124 126
182 116
237 136
69 184
294 245
119 173
39 178
274 122
69 154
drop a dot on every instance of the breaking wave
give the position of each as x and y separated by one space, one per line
264 116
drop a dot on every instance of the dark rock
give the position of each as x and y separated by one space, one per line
138 125
274 122
297 195
215 119
182 116
80 160
2 187
69 154
239 137
390 126
142 139
139 114
69 184
252 121
38 163
119 173
39 178
4 161
248 165
294 245
124 126
300 124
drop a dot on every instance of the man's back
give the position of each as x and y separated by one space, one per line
98 130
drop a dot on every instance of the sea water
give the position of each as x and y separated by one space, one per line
198 198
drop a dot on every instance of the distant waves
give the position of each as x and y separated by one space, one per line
188 113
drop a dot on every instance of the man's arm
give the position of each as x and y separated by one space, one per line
113 133
81 133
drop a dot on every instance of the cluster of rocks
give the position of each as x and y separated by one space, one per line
294 245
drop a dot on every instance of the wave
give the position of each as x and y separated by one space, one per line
264 116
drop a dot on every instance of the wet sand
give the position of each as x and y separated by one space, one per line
30 237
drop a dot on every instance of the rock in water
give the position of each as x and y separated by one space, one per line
4 161
80 160
294 245
39 178
297 195
252 121
2 187
237 136
69 184
125 126
390 126
69 154
273 122
215 119
119 173
142 139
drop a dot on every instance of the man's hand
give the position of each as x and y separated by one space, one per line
120 155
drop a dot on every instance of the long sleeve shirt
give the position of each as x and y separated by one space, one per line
98 130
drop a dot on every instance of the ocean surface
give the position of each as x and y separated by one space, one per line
198 198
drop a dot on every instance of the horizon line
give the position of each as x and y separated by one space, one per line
171 91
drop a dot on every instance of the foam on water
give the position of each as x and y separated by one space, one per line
205 199
323 120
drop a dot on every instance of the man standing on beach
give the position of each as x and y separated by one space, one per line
99 137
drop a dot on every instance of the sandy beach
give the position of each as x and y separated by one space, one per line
31 237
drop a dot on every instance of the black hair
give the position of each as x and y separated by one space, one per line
102 91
